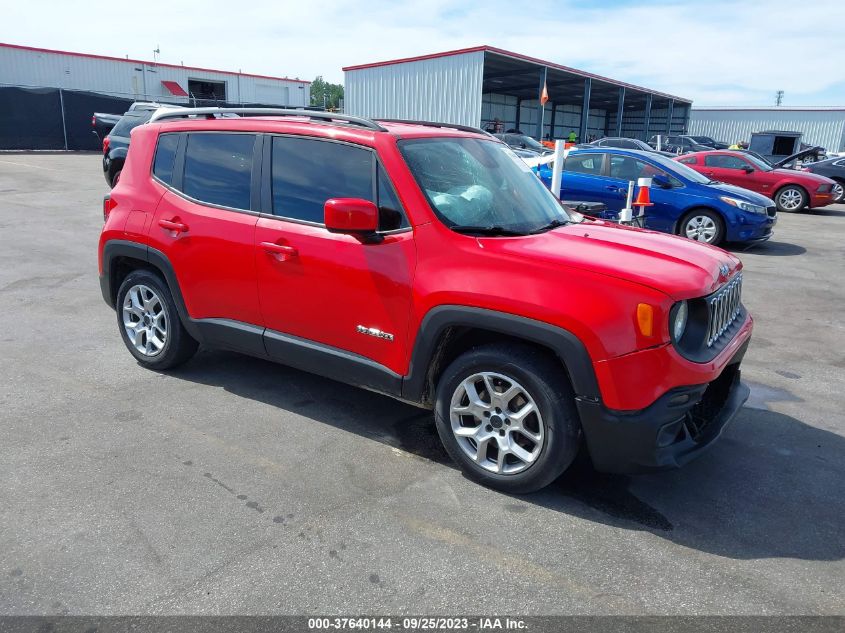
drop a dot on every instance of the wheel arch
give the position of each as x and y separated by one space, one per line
121 257
448 331
797 185
692 209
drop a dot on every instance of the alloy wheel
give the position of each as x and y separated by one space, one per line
838 192
701 228
790 199
145 320
497 423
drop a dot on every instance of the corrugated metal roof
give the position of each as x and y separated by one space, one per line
500 51
140 61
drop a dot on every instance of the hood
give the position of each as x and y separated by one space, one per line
817 149
676 266
805 177
743 194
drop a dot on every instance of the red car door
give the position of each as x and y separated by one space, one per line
728 168
204 226
333 289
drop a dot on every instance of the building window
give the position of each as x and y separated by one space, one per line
201 89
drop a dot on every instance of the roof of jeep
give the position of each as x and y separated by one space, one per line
307 127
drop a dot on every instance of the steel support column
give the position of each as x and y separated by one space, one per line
620 107
647 121
585 110
669 116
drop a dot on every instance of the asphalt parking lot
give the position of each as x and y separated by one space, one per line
232 485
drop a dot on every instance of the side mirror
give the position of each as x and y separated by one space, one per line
659 180
353 216
748 169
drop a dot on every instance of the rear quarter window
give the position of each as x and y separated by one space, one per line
218 168
165 157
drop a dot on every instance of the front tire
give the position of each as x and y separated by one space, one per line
839 191
703 225
790 199
506 415
149 322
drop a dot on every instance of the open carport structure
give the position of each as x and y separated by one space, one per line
485 86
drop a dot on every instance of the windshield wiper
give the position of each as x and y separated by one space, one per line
487 230
551 225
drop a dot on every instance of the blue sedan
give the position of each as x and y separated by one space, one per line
684 201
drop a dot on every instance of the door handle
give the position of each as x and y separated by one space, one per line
170 225
709 173
612 188
280 251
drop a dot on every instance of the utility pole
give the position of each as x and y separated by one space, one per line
778 97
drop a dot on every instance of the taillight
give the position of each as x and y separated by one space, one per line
106 142
108 205
93 121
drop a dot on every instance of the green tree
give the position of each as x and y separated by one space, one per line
323 90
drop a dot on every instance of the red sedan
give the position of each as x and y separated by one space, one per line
791 190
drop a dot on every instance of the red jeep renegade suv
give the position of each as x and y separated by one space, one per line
427 262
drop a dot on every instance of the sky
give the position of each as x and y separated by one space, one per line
715 52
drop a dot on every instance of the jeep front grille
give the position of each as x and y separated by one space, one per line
724 307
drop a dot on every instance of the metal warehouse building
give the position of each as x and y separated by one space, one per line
819 126
25 66
476 86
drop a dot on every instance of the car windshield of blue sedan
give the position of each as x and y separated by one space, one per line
480 186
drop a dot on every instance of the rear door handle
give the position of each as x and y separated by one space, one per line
170 225
612 188
280 251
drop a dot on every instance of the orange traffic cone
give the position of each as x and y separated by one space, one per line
643 199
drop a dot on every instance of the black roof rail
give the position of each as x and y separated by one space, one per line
453 126
183 113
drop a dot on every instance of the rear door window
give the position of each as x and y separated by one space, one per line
218 168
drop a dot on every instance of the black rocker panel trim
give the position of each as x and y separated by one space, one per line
566 345
332 362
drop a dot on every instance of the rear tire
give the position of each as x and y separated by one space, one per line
116 178
524 435
790 199
149 323
702 225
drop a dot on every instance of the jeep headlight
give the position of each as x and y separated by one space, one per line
743 205
679 322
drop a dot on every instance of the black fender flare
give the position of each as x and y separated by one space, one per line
158 260
568 347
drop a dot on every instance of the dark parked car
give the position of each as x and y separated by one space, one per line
678 144
833 168
525 142
116 144
624 143
103 122
706 140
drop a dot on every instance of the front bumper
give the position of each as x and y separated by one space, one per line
676 428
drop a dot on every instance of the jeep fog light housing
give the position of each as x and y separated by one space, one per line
679 324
